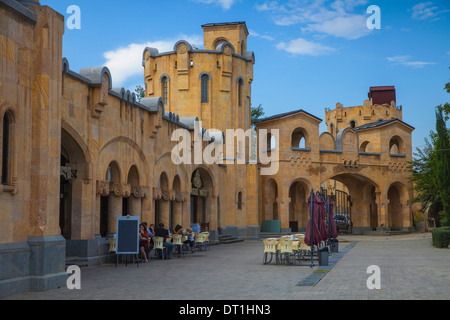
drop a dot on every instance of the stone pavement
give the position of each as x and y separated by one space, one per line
411 268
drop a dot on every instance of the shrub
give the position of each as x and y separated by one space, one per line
441 237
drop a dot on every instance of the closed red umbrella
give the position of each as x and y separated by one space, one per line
314 226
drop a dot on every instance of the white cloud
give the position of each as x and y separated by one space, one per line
349 27
424 11
406 61
253 33
225 4
126 62
335 18
304 47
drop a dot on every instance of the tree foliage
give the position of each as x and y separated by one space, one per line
442 164
430 168
256 113
140 93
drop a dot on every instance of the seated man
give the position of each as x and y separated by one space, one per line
164 233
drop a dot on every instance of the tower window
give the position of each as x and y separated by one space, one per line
204 80
165 90
240 89
6 148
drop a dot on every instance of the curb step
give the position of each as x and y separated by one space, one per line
227 239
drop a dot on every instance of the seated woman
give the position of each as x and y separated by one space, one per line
144 241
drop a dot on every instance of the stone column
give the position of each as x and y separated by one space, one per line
283 213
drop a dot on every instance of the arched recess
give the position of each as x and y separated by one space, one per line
74 170
111 205
355 200
125 145
300 138
133 204
270 200
366 146
162 205
299 191
176 207
398 210
203 209
396 145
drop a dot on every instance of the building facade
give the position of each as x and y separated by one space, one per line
77 152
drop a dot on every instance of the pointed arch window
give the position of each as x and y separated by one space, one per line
6 148
165 90
205 86
240 91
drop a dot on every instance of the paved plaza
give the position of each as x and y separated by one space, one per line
411 268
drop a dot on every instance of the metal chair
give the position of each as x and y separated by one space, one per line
205 239
112 245
270 249
178 242
199 240
286 253
158 244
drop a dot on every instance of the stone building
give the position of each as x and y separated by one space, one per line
77 152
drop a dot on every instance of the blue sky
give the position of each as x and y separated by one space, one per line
309 54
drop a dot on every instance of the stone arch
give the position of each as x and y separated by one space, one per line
299 190
271 194
366 146
360 210
347 141
396 145
203 210
74 169
300 138
327 142
143 165
133 203
397 207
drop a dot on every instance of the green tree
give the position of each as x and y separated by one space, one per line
442 164
446 107
424 178
140 93
256 113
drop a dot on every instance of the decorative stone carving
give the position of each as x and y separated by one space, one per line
126 190
227 51
181 196
197 181
103 188
166 194
139 192
120 190
182 48
157 193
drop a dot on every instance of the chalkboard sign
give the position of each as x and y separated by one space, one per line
127 235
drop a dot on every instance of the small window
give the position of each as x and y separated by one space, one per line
353 123
240 89
239 202
204 81
165 90
6 148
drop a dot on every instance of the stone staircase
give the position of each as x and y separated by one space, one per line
265 235
227 239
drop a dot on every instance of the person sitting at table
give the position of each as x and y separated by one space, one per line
151 232
144 241
178 230
190 240
164 233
